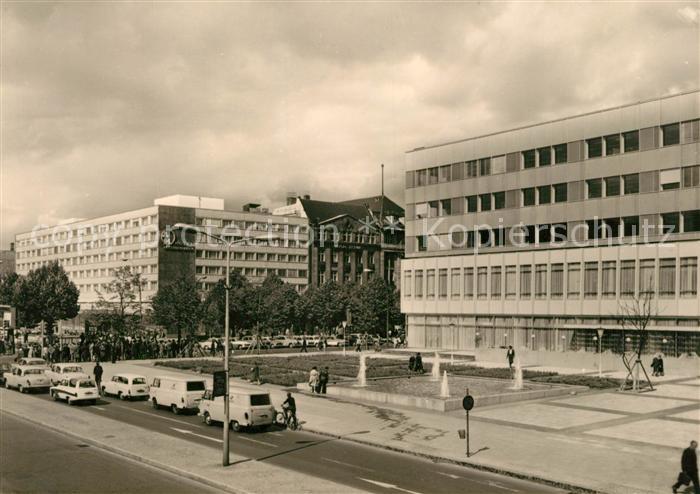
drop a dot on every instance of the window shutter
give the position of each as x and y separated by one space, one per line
575 151
648 138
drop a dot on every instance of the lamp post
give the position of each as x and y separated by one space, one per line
599 338
229 244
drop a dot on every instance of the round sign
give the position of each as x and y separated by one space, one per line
468 402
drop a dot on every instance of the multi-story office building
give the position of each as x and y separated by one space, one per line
538 236
91 250
347 244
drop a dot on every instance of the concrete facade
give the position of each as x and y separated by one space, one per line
538 236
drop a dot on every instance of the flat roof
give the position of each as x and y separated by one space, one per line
529 126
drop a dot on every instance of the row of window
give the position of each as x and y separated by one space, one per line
631 141
109 272
281 226
556 233
137 238
252 271
149 285
606 279
594 188
90 259
251 256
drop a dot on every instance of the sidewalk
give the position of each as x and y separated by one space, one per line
606 441
183 458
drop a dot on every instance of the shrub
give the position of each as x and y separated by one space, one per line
593 382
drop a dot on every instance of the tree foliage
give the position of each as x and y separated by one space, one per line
177 306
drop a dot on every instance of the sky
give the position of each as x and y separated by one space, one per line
106 106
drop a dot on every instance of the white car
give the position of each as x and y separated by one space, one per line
248 408
126 386
335 342
75 390
242 343
32 361
281 341
177 393
60 372
26 377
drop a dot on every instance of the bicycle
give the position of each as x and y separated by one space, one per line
288 420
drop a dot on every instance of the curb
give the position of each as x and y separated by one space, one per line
132 456
477 466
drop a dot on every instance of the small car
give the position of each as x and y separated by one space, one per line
75 390
241 343
178 393
281 341
32 361
59 372
4 367
248 408
126 386
26 377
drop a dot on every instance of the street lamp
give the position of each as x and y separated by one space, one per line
229 244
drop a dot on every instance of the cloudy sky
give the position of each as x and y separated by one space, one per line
108 105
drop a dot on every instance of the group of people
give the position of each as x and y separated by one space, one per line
657 365
318 380
415 363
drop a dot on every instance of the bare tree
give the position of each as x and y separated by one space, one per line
635 317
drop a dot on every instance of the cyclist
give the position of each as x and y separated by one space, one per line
289 406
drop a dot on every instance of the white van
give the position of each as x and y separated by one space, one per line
248 408
177 393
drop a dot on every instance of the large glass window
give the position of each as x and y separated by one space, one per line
671 134
496 282
670 179
529 159
442 283
544 194
557 278
608 285
595 147
430 283
422 243
590 280
529 196
468 282
434 209
631 141
691 176
499 200
689 276
482 276
560 192
667 277
433 174
525 281
573 275
541 280
646 275
456 283
445 173
445 207
407 283
472 169
510 282
631 224
627 278
545 156
485 200
671 222
419 283
691 221
612 144
560 153
612 186
631 182
472 204
595 188
484 166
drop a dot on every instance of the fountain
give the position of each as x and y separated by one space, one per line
445 387
518 384
452 359
362 374
436 368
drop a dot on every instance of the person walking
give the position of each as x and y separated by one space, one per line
323 381
97 371
510 355
313 380
303 346
689 469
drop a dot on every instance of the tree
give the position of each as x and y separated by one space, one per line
47 295
177 306
282 308
119 301
635 316
374 305
325 306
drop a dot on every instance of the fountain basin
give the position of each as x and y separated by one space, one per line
422 392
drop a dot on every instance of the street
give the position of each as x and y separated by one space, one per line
343 462
35 459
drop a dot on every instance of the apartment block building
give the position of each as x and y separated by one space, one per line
91 250
539 236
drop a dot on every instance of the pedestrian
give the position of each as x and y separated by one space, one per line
510 355
689 468
97 371
303 345
418 363
323 381
313 379
255 374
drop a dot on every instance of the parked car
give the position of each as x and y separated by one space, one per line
4 367
26 377
241 343
75 390
59 372
335 341
177 393
126 386
32 361
282 341
247 408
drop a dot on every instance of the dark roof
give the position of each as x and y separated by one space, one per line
375 202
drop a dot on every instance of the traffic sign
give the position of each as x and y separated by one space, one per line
220 383
468 402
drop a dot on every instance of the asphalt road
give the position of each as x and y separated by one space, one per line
35 459
363 467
